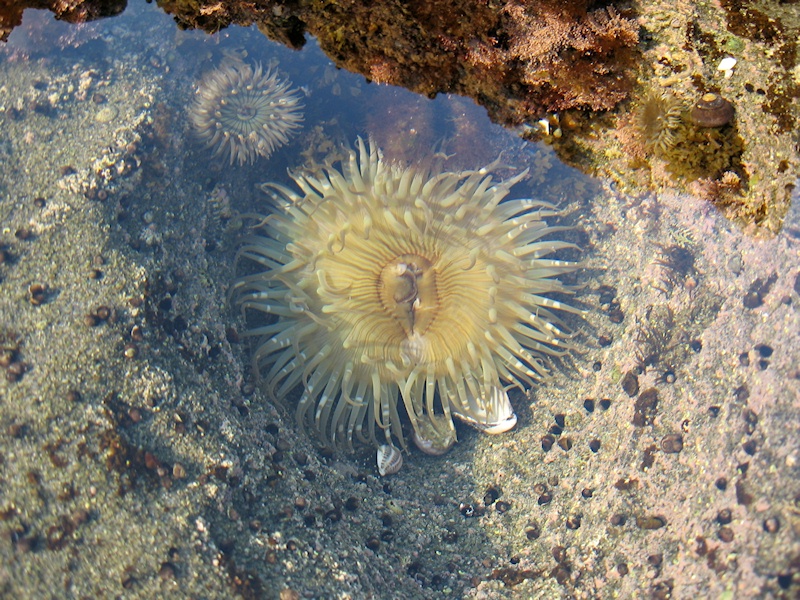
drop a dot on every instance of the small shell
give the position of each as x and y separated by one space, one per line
497 427
545 125
432 440
390 459
726 64
712 111
499 416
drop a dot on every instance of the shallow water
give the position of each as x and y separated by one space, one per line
137 459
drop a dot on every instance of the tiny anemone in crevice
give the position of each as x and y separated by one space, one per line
658 118
385 289
245 111
654 335
727 190
676 263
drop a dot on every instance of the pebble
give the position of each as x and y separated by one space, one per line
645 408
772 524
764 350
725 534
37 293
735 264
167 571
533 532
618 520
106 114
672 443
373 543
573 522
630 384
650 522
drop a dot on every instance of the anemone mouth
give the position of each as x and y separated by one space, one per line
245 111
394 290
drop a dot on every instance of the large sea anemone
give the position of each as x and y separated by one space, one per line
245 111
386 289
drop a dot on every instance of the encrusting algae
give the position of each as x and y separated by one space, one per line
383 288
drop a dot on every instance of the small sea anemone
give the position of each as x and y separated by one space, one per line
677 264
388 287
658 118
245 111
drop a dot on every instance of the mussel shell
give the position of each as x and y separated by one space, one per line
712 110
390 459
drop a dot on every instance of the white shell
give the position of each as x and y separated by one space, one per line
499 426
390 459
545 125
499 416
431 440
726 65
